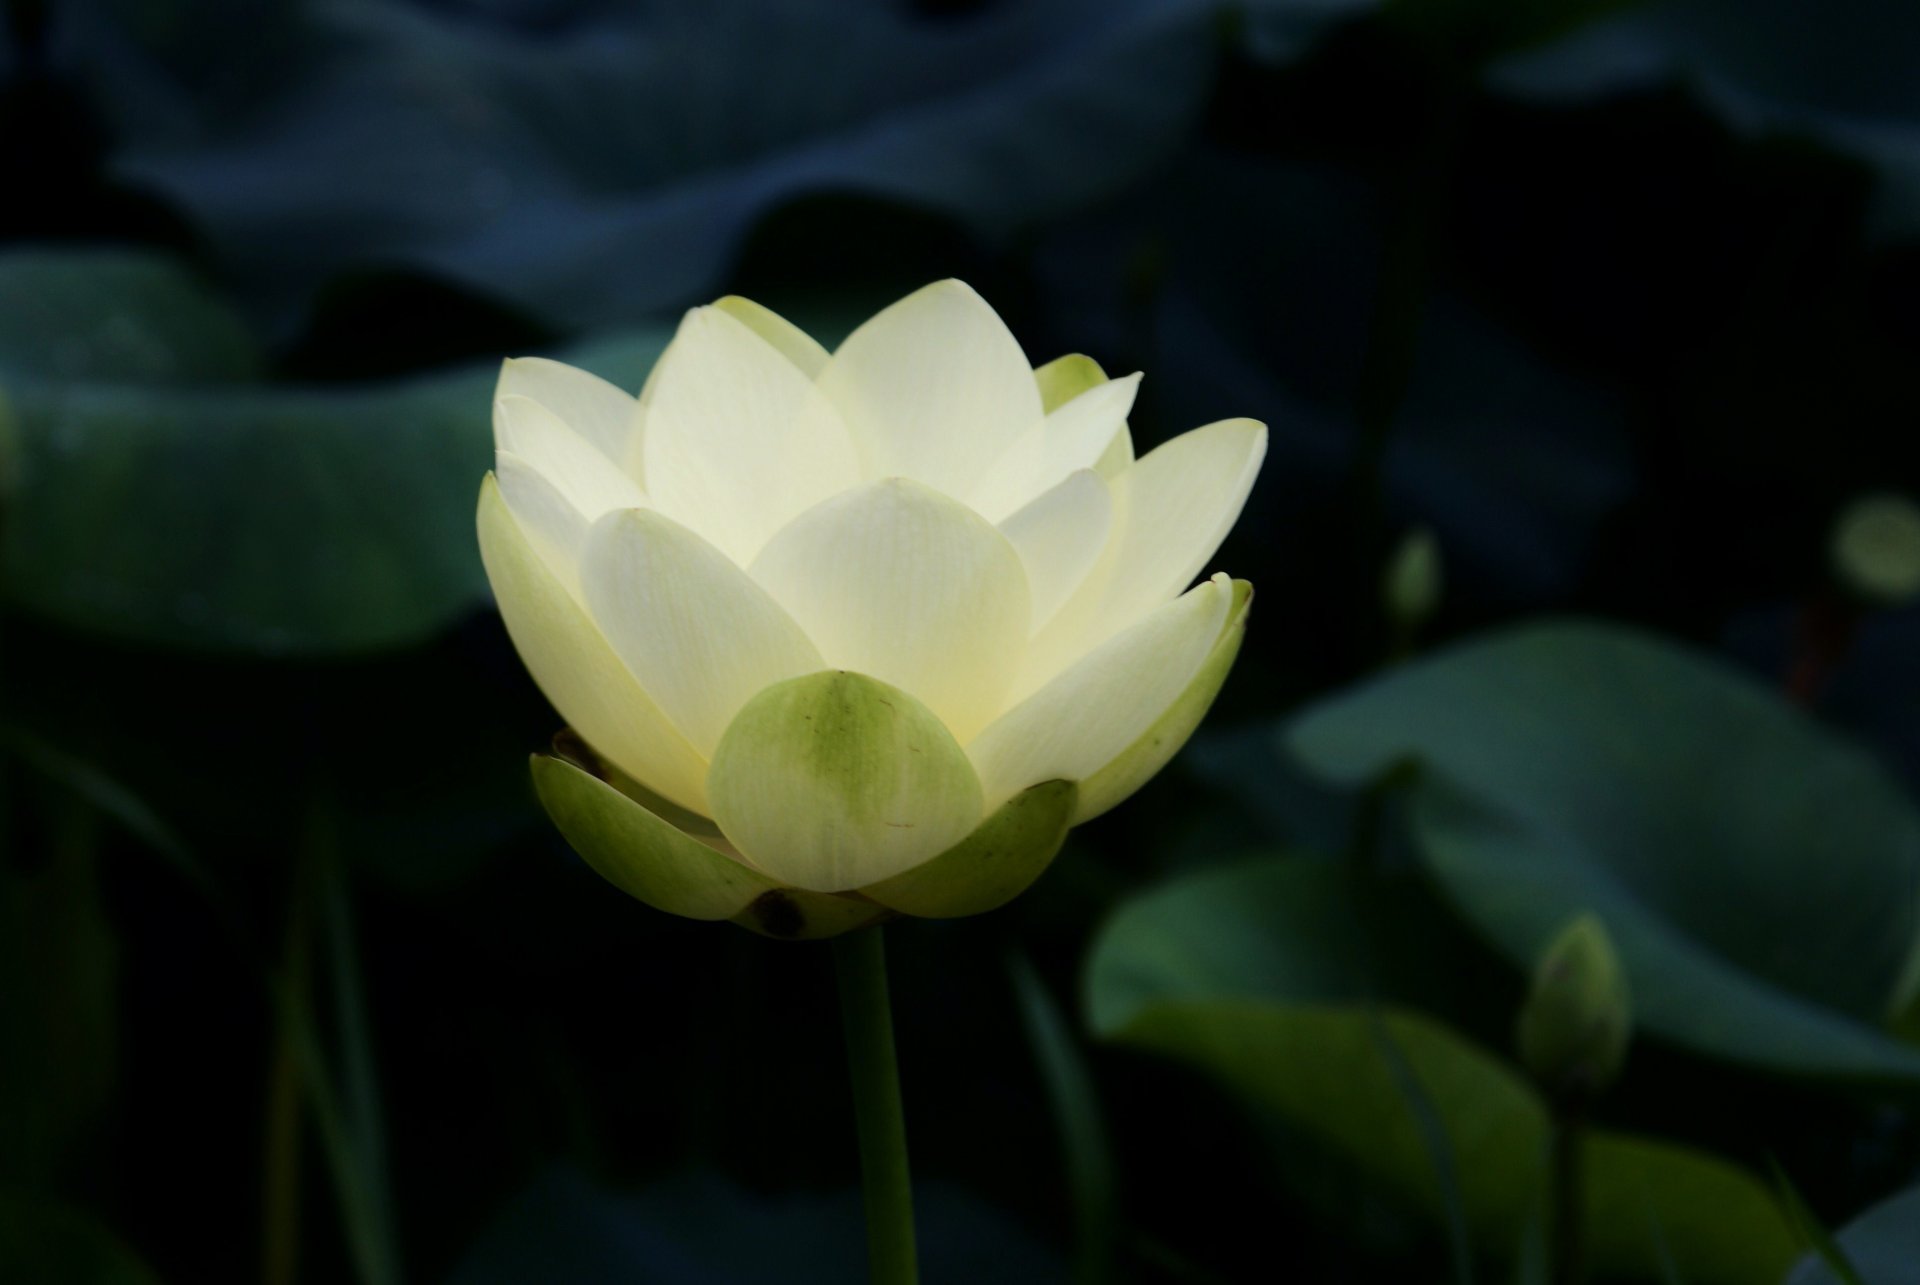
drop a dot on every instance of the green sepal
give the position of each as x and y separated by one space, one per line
836 780
638 852
1134 766
1065 378
991 866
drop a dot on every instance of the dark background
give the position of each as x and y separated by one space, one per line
1622 301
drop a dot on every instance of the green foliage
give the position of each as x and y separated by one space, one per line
1753 868
1267 999
168 496
48 1240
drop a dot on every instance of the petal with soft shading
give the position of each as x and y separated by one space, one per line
696 632
586 403
727 449
1065 378
1075 436
795 344
1142 760
1180 501
556 528
895 580
641 853
933 388
574 665
1101 704
836 780
575 467
792 914
990 867
1060 537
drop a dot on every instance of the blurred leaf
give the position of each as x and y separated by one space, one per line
1756 871
1272 1017
1812 1232
1075 1099
1839 72
607 164
163 505
45 1240
59 1039
703 1230
1883 1244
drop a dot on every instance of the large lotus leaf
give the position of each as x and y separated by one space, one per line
1883 1245
1757 871
596 166
1276 1017
166 497
1839 72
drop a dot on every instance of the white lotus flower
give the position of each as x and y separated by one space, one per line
858 632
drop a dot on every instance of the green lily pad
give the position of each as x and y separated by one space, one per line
166 496
1275 1017
1756 870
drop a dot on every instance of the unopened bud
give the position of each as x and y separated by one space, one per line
1411 586
1876 549
1576 1021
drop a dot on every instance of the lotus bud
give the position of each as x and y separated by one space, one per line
1577 1018
1876 549
855 634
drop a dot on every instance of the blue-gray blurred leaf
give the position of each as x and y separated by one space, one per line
1756 871
596 168
1840 73
165 496
1883 1245
703 1230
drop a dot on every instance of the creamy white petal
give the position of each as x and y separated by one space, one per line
895 580
695 630
1075 436
576 468
1060 537
556 529
571 661
1102 703
933 388
799 347
1065 378
726 447
586 403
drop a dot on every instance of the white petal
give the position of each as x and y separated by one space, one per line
1100 705
897 581
1171 510
586 403
556 529
795 344
569 658
1060 537
933 388
1075 436
590 481
700 636
727 450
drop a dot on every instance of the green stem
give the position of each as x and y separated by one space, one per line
1566 1195
860 963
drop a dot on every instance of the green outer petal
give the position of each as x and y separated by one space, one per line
835 780
639 853
1136 765
1065 378
991 866
788 914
